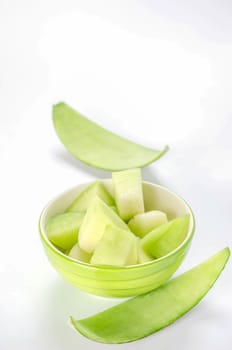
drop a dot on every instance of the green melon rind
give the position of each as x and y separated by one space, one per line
148 313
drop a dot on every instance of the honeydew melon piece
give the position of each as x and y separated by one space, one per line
128 193
133 257
167 237
143 256
143 223
97 217
116 248
62 230
82 202
145 314
114 208
97 146
79 254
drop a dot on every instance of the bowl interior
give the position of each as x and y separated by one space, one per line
155 197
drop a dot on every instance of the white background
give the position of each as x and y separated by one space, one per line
158 72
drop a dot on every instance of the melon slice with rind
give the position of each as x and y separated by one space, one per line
114 208
96 146
143 223
128 193
146 314
84 199
62 229
79 254
97 217
142 255
167 237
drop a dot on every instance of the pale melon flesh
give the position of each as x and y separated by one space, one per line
142 255
97 217
116 247
143 223
128 193
84 199
79 254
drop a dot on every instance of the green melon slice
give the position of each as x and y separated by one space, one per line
148 313
128 193
114 208
79 254
142 255
97 146
116 248
97 217
133 257
82 202
143 223
62 229
167 237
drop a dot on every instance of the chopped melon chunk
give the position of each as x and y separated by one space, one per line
62 229
166 237
114 208
82 202
133 257
128 193
143 256
141 224
79 254
97 217
116 247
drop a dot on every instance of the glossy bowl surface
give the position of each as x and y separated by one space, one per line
119 281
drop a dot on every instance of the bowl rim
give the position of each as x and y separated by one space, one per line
62 255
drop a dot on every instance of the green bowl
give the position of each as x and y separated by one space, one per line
119 281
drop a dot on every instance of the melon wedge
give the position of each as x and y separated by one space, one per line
166 237
128 193
116 248
142 255
148 313
143 223
62 230
79 254
84 199
97 146
97 217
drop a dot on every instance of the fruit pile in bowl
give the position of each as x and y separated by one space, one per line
117 237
